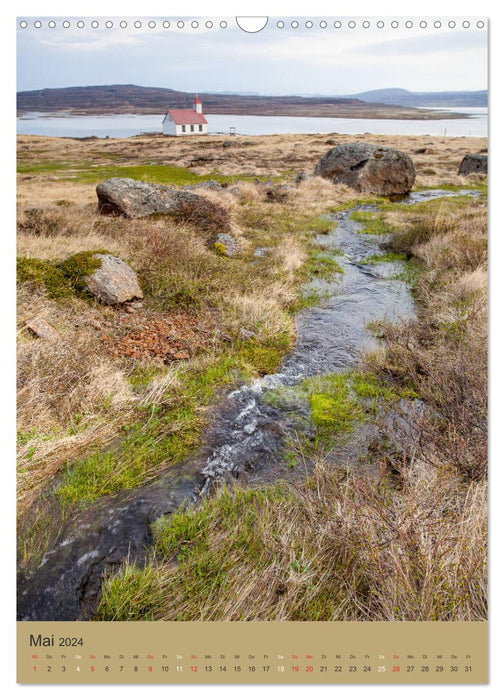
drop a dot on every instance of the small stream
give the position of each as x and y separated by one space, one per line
247 434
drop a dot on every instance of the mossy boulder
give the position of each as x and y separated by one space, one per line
88 273
368 168
113 282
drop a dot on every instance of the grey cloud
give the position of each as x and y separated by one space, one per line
447 41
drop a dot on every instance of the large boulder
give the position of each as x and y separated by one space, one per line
473 163
114 282
368 168
122 196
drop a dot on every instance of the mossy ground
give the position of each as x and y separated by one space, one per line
87 172
373 223
59 279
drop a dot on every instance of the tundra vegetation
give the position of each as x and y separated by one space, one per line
123 392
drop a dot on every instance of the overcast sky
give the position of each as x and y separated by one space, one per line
274 61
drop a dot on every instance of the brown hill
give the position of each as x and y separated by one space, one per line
126 99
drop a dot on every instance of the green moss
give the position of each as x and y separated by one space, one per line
263 357
44 167
91 173
62 279
322 225
373 223
334 411
45 275
270 220
345 206
339 401
142 374
307 298
79 266
219 248
322 265
410 273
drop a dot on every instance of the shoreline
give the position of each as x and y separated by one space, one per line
401 113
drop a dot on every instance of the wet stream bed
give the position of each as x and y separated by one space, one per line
248 433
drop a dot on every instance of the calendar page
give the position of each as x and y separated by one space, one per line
252 350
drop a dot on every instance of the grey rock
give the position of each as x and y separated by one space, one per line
368 168
122 196
262 252
277 193
473 163
206 185
42 329
231 245
301 177
114 282
227 144
246 334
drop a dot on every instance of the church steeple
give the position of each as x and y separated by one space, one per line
197 106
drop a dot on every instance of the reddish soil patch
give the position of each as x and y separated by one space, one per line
162 340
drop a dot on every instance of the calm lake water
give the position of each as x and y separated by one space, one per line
119 125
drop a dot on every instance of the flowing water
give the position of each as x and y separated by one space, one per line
247 434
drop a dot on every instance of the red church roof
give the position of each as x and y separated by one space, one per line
187 116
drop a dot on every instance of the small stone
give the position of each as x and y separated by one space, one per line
301 177
262 252
277 193
250 428
42 329
224 244
245 334
205 185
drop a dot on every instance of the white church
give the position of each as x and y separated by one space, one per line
182 122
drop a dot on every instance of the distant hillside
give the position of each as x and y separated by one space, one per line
405 98
124 99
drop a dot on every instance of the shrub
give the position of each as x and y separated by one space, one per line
204 215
